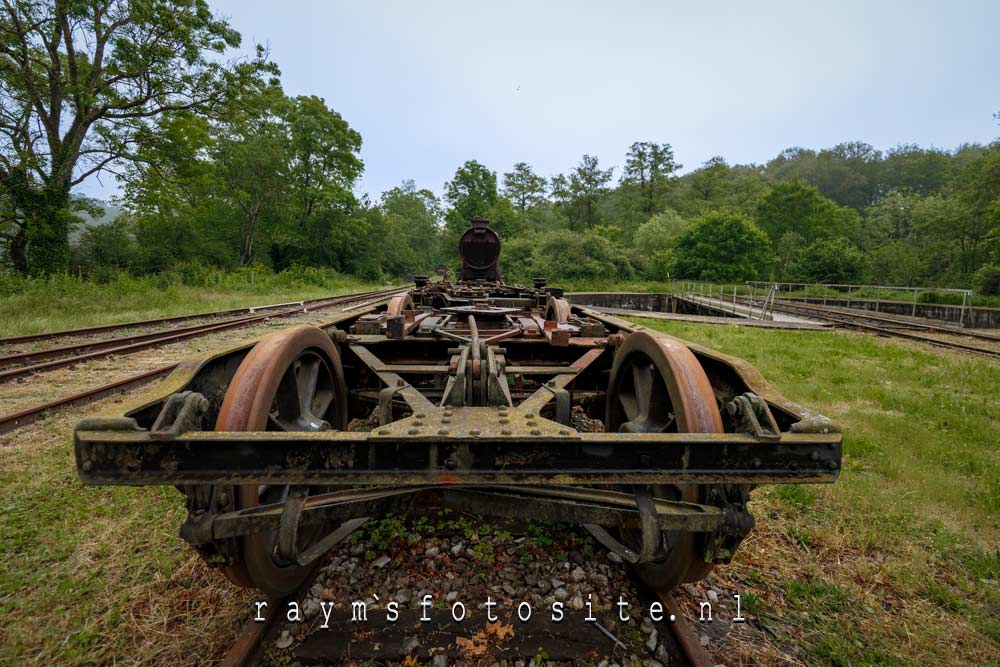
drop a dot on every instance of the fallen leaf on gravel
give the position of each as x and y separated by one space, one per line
499 629
474 646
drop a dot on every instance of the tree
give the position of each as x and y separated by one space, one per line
580 193
978 192
268 167
660 232
413 222
794 206
471 193
717 185
723 246
251 152
648 170
106 248
79 81
524 187
986 280
834 261
323 166
914 169
848 173
565 255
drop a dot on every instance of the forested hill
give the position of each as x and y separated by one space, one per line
908 216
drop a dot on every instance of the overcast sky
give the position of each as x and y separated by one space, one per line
432 84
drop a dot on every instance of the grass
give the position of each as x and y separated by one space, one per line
64 302
898 563
91 574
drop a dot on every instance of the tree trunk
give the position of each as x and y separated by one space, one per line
246 249
48 224
19 251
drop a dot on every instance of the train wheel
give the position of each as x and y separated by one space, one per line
290 381
557 310
658 386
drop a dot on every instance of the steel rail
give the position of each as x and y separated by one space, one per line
103 328
27 416
907 323
692 652
15 420
849 320
120 346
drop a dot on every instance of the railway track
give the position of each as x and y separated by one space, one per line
887 326
893 322
20 364
72 354
123 326
251 646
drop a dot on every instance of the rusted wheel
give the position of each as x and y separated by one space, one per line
290 381
399 303
557 310
658 386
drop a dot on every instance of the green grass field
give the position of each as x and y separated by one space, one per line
63 302
898 563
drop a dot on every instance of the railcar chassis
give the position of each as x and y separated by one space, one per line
504 400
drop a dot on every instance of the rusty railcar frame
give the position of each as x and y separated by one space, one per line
499 447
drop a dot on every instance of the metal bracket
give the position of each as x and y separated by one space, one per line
183 411
286 543
563 403
651 539
385 397
751 415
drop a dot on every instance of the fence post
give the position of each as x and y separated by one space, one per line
914 312
878 297
961 317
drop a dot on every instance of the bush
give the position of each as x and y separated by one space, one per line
564 255
986 280
723 246
834 261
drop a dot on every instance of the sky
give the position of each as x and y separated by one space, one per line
431 84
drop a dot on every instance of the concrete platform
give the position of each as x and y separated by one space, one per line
705 319
743 311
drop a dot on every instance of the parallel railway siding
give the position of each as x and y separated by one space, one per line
32 413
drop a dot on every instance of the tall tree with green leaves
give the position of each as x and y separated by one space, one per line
580 193
79 79
269 166
648 170
717 185
978 191
848 173
794 206
523 187
323 165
